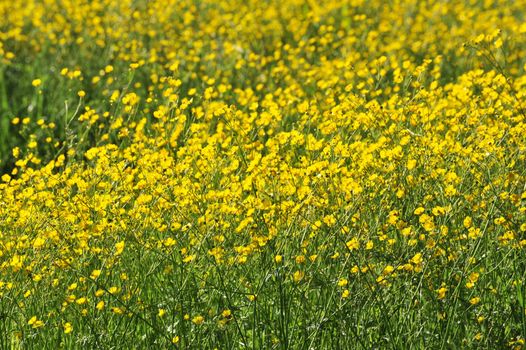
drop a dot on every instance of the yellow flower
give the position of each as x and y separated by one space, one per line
353 244
468 222
388 270
442 292
36 82
119 248
474 300
472 279
419 211
198 320
117 310
300 259
329 220
189 258
298 276
417 259
95 274
34 322
67 328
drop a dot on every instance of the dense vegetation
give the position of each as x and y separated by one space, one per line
262 174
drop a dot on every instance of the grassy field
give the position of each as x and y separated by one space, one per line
262 174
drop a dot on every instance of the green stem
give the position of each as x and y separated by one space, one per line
4 119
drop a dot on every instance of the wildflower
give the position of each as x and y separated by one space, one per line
67 328
119 248
442 292
198 320
95 274
353 244
300 259
468 222
298 276
34 322
117 310
419 211
472 279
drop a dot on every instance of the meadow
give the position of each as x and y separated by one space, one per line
242 174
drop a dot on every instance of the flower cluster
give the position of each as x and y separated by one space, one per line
299 174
